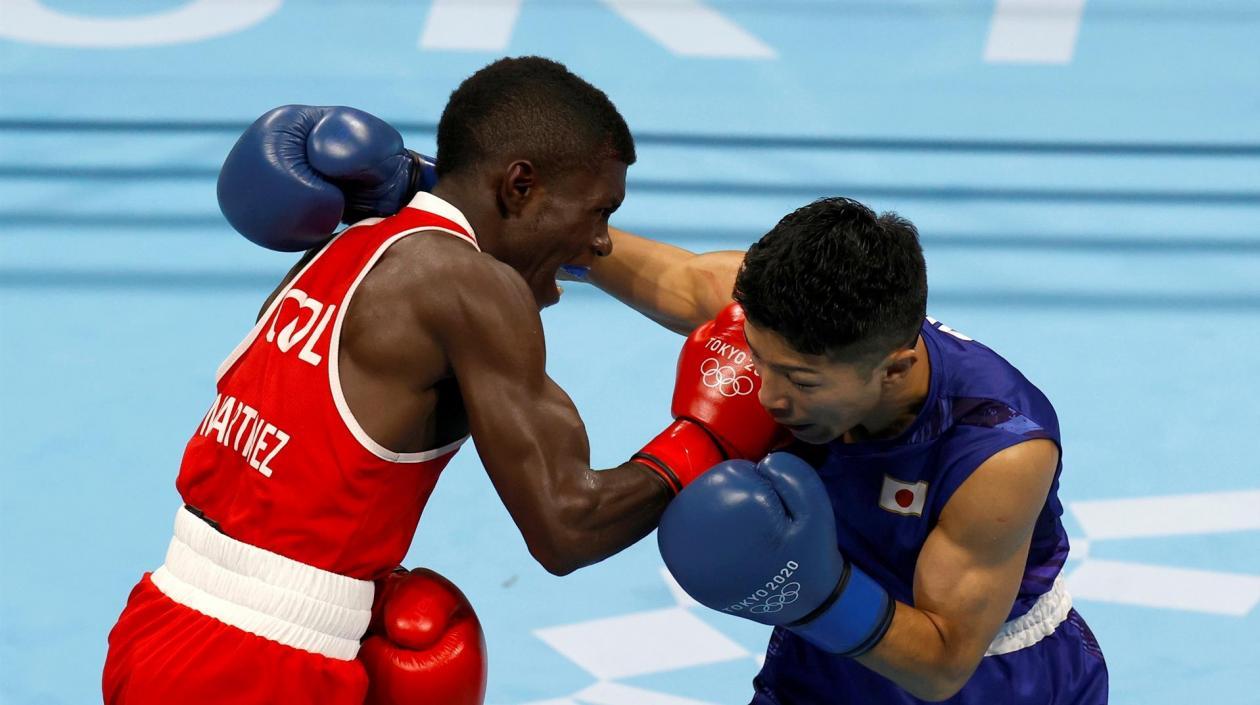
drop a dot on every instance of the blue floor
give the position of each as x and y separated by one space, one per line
1096 221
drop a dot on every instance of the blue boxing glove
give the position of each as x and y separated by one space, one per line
759 541
299 170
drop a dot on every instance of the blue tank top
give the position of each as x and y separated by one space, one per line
888 494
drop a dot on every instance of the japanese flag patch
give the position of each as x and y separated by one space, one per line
905 498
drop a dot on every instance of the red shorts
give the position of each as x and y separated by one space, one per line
161 652
225 622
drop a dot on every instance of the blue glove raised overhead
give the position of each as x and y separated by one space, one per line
759 541
299 170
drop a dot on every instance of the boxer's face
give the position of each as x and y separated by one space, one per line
818 398
568 224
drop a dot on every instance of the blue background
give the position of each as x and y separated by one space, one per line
1096 222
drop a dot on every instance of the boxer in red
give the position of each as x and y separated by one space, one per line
376 357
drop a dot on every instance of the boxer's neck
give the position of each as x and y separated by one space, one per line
478 206
900 407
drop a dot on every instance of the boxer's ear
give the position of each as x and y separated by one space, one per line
518 186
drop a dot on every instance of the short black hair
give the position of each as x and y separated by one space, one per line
530 108
835 278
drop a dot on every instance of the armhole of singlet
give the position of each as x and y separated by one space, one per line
334 375
240 349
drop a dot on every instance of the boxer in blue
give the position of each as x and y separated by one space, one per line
908 546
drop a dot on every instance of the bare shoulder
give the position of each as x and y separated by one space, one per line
430 271
448 287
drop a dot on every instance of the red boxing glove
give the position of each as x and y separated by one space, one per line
718 416
424 644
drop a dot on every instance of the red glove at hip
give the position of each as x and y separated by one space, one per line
716 411
424 645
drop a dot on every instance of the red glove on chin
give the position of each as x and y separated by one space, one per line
424 645
716 411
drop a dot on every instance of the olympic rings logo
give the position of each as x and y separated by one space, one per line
724 378
779 600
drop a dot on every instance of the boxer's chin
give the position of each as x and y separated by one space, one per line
547 294
559 276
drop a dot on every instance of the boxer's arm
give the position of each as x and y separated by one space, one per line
968 574
676 288
528 433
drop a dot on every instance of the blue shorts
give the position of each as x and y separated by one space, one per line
1065 668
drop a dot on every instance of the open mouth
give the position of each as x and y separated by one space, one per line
570 272
576 271
804 432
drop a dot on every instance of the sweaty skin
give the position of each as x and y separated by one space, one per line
969 569
674 287
440 340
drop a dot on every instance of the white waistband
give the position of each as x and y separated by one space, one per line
1039 622
264 593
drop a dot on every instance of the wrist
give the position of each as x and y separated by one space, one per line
422 177
853 620
681 453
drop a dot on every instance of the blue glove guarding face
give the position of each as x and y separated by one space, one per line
759 541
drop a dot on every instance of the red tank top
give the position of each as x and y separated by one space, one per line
279 461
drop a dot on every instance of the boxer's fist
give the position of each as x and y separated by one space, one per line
759 542
424 645
716 411
299 170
